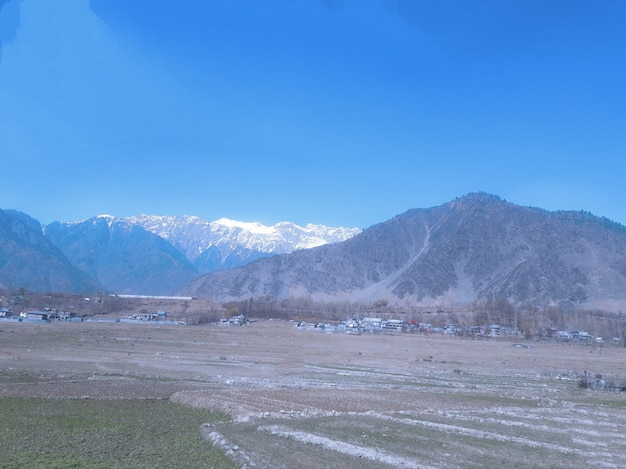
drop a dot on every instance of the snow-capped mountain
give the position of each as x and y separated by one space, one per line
159 254
225 243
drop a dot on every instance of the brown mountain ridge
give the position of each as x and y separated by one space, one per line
475 248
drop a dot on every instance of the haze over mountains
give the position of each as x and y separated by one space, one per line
474 248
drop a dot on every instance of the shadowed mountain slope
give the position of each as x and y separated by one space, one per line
29 260
123 256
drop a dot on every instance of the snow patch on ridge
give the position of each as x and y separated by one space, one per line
252 227
226 238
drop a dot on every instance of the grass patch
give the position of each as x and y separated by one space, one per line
24 377
594 400
501 400
48 433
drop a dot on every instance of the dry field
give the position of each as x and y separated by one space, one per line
312 400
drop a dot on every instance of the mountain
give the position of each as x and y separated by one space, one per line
123 256
477 247
29 260
224 243
157 255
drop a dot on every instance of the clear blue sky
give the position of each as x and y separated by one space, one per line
340 112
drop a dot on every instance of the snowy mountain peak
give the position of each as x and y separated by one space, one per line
224 243
109 219
252 227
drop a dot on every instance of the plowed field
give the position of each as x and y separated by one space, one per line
311 400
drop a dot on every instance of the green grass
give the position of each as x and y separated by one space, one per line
49 433
595 400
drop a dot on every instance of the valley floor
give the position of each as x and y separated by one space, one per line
300 398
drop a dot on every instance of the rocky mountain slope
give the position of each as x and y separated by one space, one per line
224 243
122 256
477 247
29 260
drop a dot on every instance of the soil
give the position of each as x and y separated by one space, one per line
301 398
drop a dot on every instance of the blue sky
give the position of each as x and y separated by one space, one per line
340 112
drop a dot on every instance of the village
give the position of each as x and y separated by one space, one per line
353 326
374 325
47 315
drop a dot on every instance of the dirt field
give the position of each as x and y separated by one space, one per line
312 400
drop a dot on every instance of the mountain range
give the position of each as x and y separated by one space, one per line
149 255
224 243
474 248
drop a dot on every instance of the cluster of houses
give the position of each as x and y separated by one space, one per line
47 315
158 316
50 314
374 324
574 336
379 325
238 320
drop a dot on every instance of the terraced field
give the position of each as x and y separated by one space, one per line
307 399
